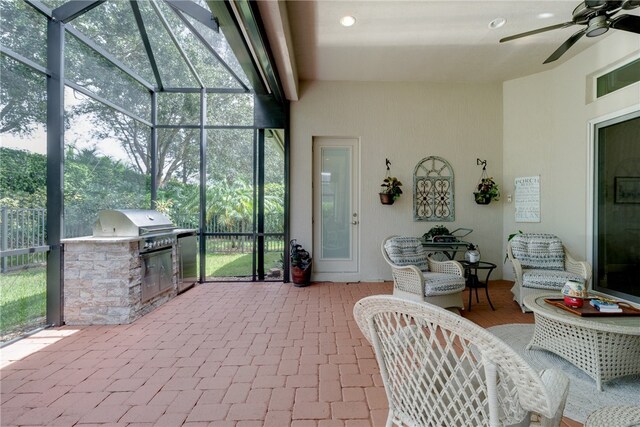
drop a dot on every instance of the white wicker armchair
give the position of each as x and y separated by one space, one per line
440 369
541 263
418 277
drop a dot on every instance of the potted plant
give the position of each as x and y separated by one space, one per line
434 232
391 190
300 264
487 191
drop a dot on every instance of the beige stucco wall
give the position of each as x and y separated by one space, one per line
536 125
547 118
404 122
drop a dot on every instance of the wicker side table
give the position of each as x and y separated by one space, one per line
614 416
604 347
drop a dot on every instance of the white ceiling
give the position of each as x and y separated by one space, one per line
425 40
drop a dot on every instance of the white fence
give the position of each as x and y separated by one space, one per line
23 238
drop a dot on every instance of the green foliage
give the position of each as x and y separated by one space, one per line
511 236
94 182
22 178
487 189
391 185
23 97
438 230
23 91
298 255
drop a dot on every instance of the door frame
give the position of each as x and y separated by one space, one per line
356 204
591 217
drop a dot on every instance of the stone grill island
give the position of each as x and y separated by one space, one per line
125 270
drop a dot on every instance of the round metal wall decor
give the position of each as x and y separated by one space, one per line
433 190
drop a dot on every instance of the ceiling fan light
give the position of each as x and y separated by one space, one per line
597 26
347 21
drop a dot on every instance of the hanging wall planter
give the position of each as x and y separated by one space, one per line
482 199
487 189
391 190
386 198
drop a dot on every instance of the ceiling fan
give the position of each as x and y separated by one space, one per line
597 15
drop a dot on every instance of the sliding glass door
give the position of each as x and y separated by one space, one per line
617 207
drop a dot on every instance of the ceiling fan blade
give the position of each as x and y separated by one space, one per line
539 30
626 23
630 4
565 46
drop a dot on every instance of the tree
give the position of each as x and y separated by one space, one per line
22 181
22 91
112 26
178 149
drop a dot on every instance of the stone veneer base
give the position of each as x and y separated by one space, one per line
102 282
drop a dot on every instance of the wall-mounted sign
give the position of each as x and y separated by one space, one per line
528 199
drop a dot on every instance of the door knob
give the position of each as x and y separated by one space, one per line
354 222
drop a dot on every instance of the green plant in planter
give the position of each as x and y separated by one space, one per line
511 236
299 257
487 190
300 264
438 230
391 185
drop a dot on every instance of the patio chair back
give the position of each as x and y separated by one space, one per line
439 369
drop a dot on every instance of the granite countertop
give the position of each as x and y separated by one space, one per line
93 239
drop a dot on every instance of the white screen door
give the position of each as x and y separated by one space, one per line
335 205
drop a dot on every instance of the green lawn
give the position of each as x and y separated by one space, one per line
22 301
237 265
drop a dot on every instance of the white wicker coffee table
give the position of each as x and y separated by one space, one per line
603 347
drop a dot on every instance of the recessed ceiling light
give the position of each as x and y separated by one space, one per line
497 23
347 21
545 15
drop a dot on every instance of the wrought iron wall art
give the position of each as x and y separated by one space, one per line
433 190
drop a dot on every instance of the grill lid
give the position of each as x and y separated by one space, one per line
130 223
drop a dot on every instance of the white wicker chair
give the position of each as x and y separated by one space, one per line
441 285
614 416
541 263
440 369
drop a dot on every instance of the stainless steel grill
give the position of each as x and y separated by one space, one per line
154 229
156 233
131 223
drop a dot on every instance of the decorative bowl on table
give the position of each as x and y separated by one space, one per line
574 294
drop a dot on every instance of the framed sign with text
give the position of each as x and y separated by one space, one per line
527 199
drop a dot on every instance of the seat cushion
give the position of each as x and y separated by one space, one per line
548 279
538 251
403 251
442 283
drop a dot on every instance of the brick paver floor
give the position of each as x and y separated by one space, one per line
222 354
